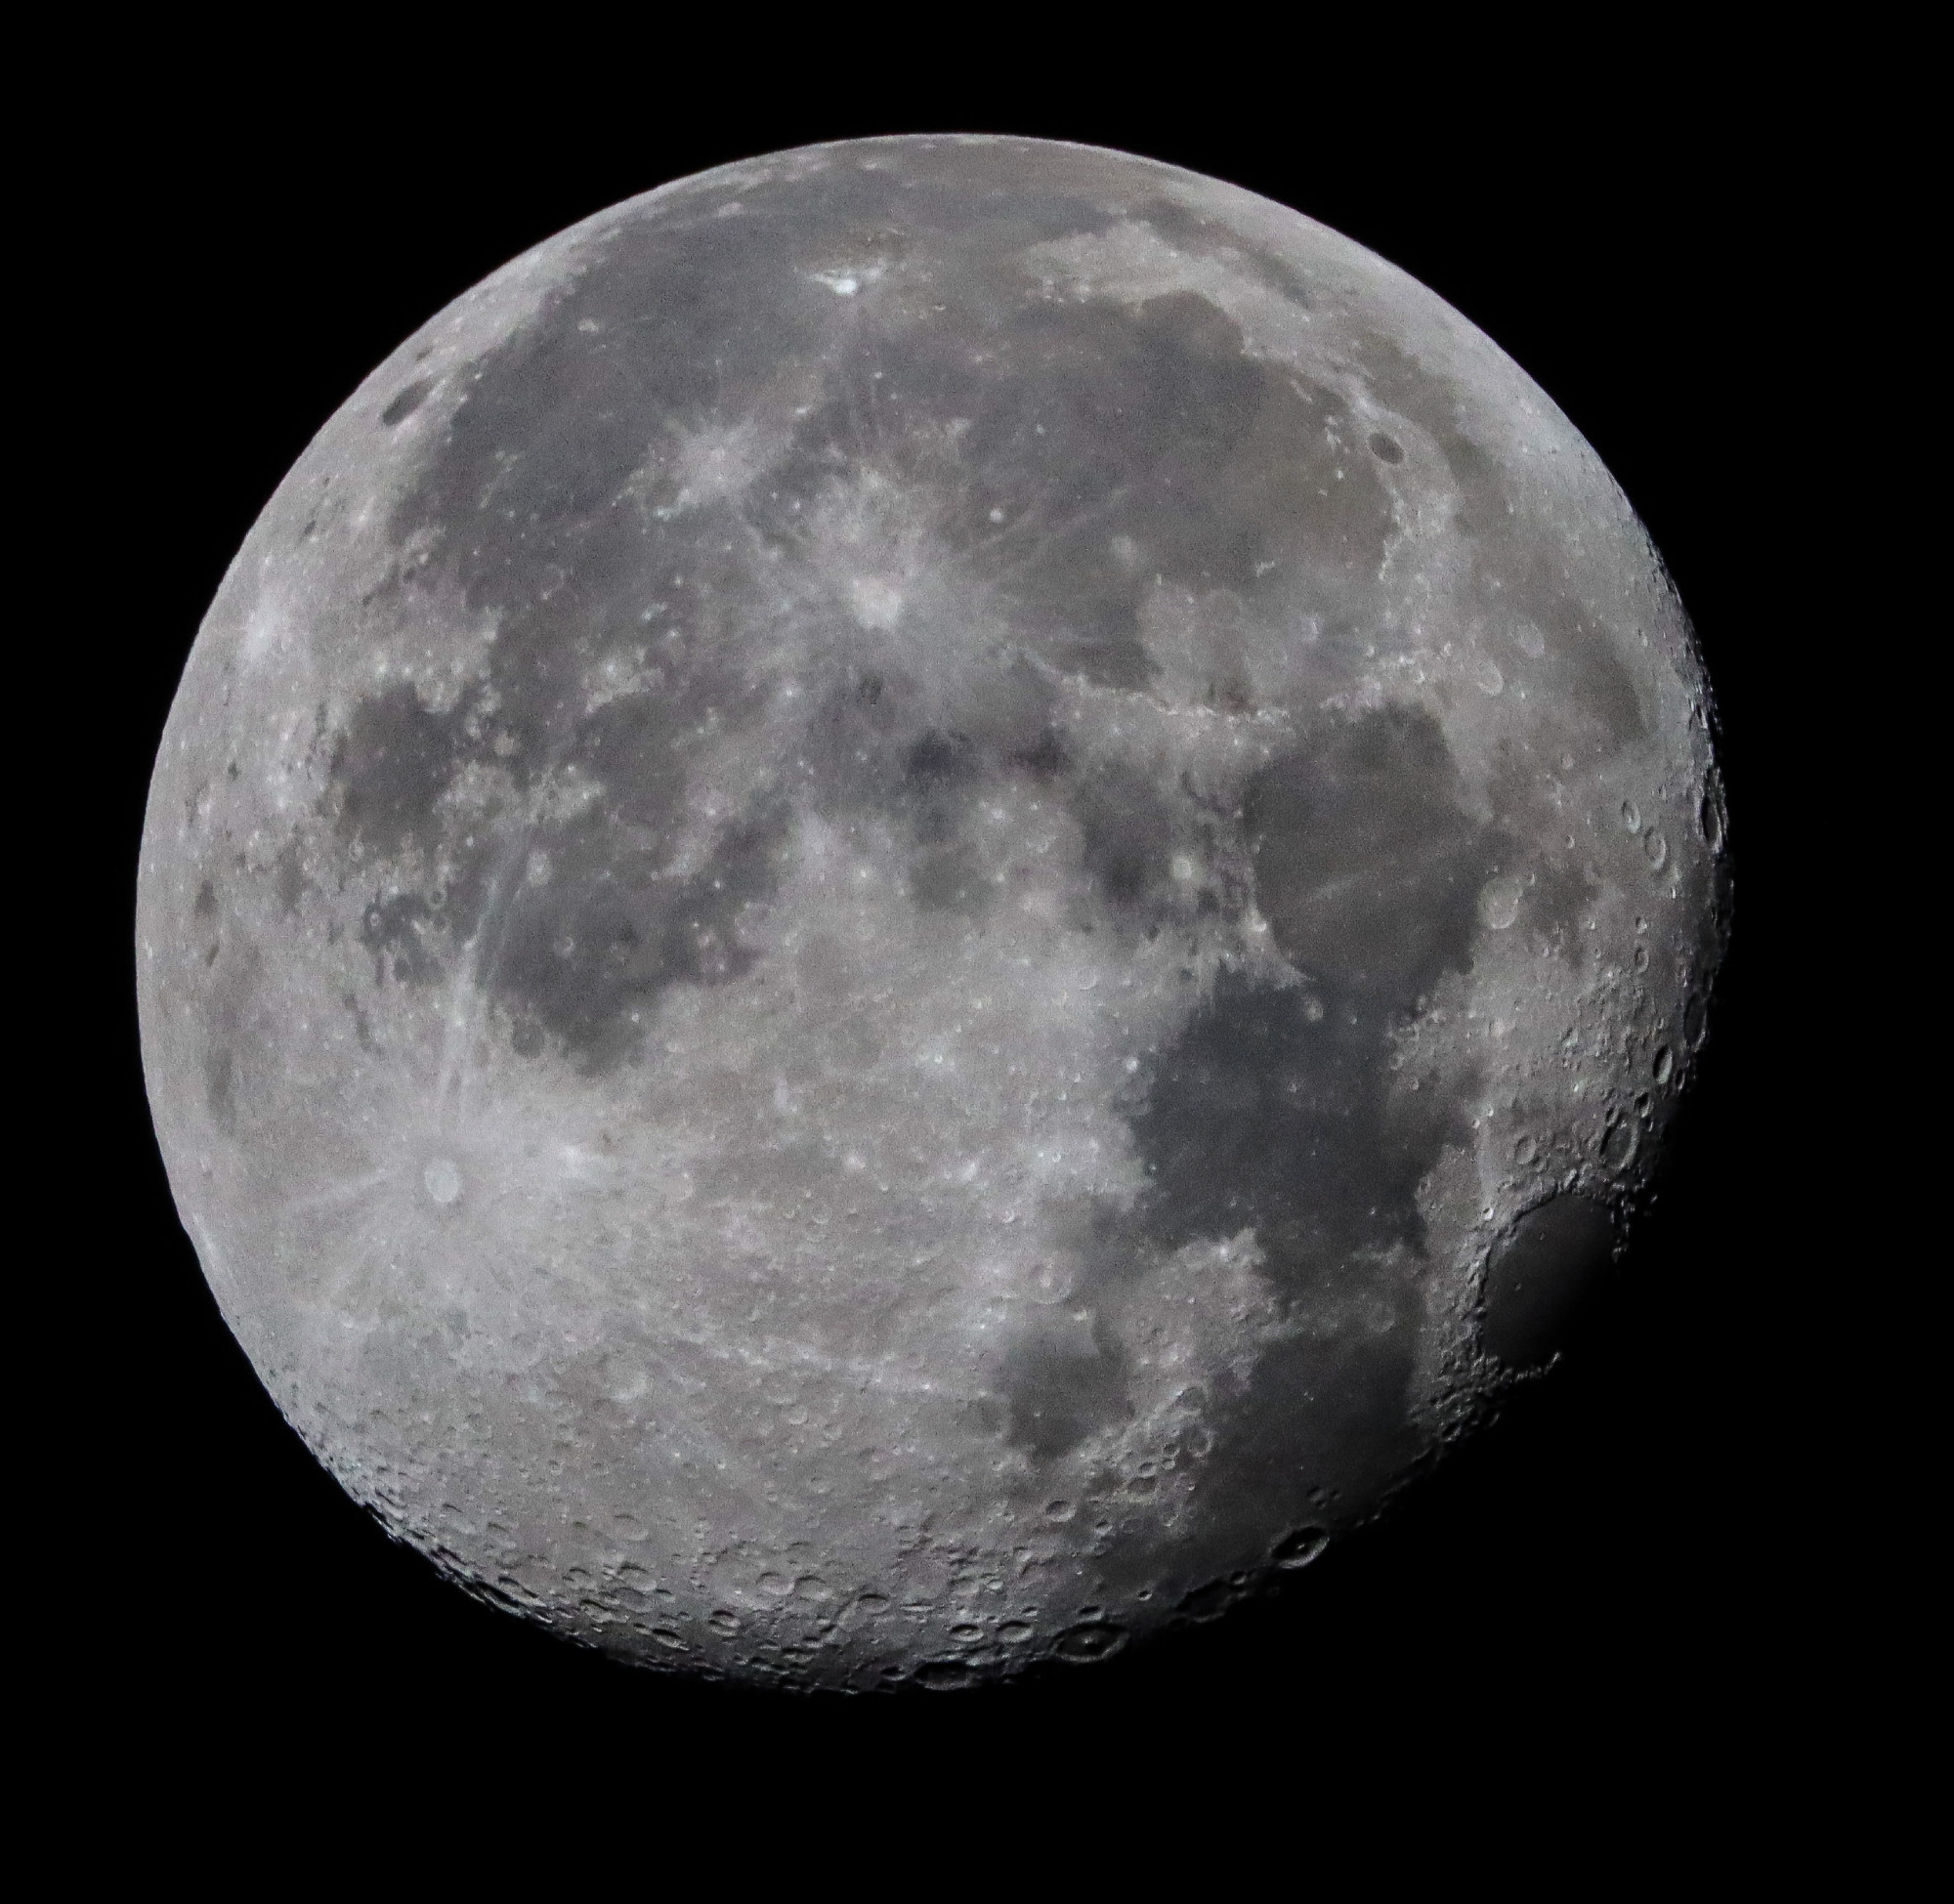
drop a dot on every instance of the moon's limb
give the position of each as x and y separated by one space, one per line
878 887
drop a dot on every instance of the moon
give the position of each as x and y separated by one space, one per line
916 903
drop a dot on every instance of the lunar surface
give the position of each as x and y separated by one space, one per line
917 902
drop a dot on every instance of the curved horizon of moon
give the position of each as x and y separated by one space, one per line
915 902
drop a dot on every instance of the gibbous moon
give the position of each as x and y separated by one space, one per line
914 903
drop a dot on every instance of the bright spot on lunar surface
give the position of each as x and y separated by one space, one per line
914 903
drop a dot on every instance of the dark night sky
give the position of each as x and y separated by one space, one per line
1613 1557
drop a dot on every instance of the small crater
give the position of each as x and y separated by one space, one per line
943 1675
407 401
1300 1548
1500 902
1384 449
1095 1639
1208 1602
442 1181
1619 1146
1711 815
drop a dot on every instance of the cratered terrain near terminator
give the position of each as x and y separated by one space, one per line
915 903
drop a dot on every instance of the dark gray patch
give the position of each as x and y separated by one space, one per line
1269 1111
1474 470
398 931
206 902
362 1025
635 747
940 760
1045 758
231 1033
940 774
407 401
390 766
854 748
1366 868
220 1087
1537 1276
1557 903
1128 842
1059 1389
584 957
951 879
1384 449
288 878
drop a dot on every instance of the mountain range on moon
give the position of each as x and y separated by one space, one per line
915 903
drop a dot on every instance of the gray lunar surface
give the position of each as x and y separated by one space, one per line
915 902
